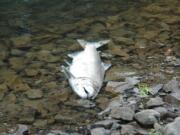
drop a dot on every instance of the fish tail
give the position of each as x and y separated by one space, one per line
98 44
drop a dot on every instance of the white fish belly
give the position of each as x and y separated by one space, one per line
88 64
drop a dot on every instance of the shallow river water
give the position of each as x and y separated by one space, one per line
37 35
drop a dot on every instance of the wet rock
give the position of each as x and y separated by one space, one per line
27 115
31 72
17 52
3 91
99 131
41 124
51 85
3 54
147 117
124 113
34 94
118 51
38 106
155 89
22 41
173 128
62 118
17 63
128 130
46 56
86 103
18 85
124 40
153 102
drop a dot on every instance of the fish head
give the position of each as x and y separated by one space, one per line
84 88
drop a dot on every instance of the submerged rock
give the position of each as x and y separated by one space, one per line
34 94
22 41
147 117
173 128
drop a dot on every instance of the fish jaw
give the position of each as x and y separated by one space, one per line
83 87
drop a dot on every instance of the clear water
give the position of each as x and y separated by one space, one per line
36 36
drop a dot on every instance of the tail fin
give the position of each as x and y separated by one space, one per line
98 44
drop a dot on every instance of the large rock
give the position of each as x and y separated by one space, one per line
99 131
173 128
124 113
174 97
153 102
147 117
128 130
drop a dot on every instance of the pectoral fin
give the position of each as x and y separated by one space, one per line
74 54
66 72
106 65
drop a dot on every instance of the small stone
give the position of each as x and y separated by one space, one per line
147 117
46 56
21 41
17 52
99 131
40 124
34 94
124 40
128 130
123 113
173 128
108 124
153 102
17 63
31 72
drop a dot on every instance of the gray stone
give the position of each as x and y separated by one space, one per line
153 102
128 130
147 117
118 87
172 86
99 131
108 124
173 128
155 89
124 113
162 110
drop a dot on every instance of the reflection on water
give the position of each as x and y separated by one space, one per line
36 36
